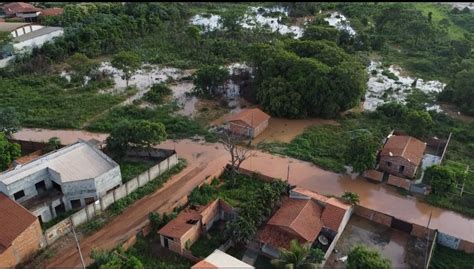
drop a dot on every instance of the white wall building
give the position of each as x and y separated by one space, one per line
65 179
26 36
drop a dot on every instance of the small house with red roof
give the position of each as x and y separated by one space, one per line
401 156
248 122
20 233
307 217
190 223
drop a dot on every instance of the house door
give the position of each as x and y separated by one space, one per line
401 225
166 242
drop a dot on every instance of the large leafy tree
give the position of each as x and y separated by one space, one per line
82 66
419 123
209 78
9 120
127 62
8 152
140 133
298 256
442 179
307 78
362 151
362 257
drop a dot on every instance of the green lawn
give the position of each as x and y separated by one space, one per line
46 101
440 12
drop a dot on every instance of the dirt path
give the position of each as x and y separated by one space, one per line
134 217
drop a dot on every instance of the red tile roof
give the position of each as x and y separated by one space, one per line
204 265
296 219
252 117
406 147
14 220
18 7
54 11
179 226
302 219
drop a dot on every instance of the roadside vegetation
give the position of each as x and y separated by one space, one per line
444 257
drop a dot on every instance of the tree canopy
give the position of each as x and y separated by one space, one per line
362 152
9 120
307 78
127 62
8 152
362 257
298 256
209 78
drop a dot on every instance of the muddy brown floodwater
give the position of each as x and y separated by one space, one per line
377 197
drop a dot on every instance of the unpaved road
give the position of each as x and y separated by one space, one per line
207 159
201 165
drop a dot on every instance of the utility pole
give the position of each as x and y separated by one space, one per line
77 243
427 240
288 175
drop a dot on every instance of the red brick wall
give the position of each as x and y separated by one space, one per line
382 219
399 182
409 171
25 245
239 127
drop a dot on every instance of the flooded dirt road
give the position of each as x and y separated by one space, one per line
207 159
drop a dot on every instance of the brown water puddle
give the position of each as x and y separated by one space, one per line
285 130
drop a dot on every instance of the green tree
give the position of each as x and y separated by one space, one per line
241 230
441 178
8 152
157 93
419 123
231 21
463 87
9 120
209 78
298 256
140 133
362 257
351 197
319 32
53 144
127 62
362 151
82 66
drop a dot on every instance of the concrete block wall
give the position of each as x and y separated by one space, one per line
143 179
107 200
131 185
79 217
57 231
120 192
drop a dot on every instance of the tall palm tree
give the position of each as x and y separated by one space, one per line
298 257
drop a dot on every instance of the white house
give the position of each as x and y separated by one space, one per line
65 179
26 36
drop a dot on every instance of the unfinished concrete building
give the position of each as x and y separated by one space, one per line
65 179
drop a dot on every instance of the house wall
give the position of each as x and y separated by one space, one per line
25 245
399 182
37 41
342 226
27 184
397 162
108 181
239 127
260 128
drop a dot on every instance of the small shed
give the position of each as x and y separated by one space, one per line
248 122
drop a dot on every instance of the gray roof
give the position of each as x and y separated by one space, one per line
78 161
10 26
43 31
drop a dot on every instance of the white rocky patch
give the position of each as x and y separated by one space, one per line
340 22
395 90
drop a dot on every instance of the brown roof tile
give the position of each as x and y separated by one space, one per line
406 147
18 7
14 219
204 265
252 117
332 216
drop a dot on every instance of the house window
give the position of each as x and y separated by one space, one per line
76 203
389 164
401 169
40 187
19 194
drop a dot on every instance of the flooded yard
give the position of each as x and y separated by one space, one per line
271 18
285 130
391 244
390 84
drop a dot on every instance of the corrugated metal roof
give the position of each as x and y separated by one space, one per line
43 31
78 161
